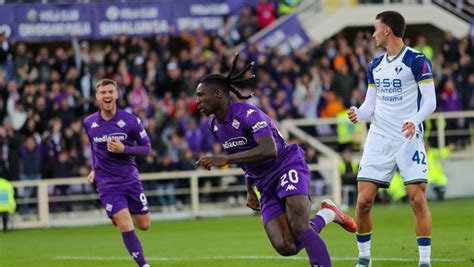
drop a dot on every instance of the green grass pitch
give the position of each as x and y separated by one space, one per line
241 241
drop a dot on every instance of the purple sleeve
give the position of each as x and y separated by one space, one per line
138 150
259 124
84 124
139 134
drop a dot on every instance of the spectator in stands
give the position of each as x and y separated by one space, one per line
467 91
348 169
172 83
5 51
344 81
246 23
265 13
317 179
333 105
165 189
15 108
138 97
194 137
450 48
288 6
63 168
30 168
10 143
423 47
450 99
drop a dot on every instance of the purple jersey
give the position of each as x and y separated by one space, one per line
243 125
114 170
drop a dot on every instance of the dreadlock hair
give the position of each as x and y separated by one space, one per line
230 82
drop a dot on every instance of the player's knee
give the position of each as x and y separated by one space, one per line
284 249
124 225
418 201
144 225
364 204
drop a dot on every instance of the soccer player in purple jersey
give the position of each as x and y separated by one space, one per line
113 134
277 169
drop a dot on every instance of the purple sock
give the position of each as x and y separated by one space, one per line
317 223
315 248
134 247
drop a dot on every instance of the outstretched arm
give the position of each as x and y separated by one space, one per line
265 149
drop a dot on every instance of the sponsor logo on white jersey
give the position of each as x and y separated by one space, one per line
235 124
121 123
115 136
235 142
143 134
291 187
250 111
108 207
94 125
259 125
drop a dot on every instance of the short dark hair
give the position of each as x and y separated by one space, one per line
394 20
229 82
105 82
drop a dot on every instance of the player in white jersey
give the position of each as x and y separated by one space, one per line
400 96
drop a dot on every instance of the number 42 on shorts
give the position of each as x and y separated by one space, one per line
416 157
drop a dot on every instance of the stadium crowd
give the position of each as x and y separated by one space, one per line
46 92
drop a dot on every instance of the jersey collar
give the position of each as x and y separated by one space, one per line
395 58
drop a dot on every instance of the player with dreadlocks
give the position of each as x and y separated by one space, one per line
277 169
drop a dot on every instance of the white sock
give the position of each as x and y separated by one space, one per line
364 249
425 253
327 214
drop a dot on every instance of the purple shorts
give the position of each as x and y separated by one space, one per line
291 180
129 197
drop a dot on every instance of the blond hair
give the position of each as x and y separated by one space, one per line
105 82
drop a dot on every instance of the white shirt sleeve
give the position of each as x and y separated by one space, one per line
366 110
428 103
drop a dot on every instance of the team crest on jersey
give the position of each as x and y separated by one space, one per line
94 125
235 124
398 69
121 123
250 111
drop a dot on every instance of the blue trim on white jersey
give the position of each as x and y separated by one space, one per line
373 64
418 105
419 64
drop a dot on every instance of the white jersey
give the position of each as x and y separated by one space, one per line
398 96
